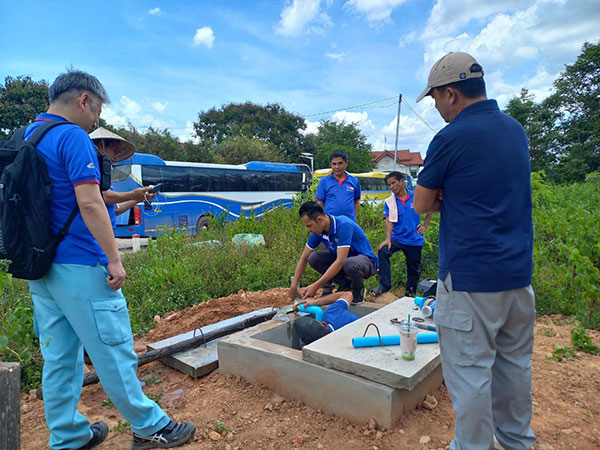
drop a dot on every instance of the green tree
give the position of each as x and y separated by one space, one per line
270 123
21 99
241 149
577 98
346 137
539 123
155 141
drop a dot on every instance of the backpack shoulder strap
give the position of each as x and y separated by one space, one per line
40 131
19 134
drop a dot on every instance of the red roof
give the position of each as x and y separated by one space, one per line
405 157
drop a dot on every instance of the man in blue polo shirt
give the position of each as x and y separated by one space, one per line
79 301
335 317
339 192
349 256
477 174
404 232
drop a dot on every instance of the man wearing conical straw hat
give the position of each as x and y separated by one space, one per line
117 149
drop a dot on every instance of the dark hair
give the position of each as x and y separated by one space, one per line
471 88
73 83
397 175
338 154
311 209
309 329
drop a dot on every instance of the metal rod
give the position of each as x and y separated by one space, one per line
397 131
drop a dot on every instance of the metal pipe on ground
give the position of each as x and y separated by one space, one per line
144 358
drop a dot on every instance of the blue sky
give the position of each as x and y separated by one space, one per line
163 62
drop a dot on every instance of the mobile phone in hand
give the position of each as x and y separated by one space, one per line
155 188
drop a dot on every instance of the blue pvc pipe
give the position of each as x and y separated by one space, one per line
316 311
392 339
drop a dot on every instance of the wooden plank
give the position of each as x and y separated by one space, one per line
10 412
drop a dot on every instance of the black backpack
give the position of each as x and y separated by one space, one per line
26 237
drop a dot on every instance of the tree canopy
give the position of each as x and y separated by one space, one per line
564 129
21 99
270 123
345 137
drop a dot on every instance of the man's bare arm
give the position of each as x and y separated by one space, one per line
426 200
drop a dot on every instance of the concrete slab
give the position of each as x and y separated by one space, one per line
201 360
264 354
379 364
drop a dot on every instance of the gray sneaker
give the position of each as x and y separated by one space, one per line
173 435
99 433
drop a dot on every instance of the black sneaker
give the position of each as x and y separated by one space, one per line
357 295
99 433
173 435
379 290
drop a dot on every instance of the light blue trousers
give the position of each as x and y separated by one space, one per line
486 343
74 308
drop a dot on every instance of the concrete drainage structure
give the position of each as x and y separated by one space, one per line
329 374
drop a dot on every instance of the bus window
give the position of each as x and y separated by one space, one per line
120 173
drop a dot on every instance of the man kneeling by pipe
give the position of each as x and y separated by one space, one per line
336 316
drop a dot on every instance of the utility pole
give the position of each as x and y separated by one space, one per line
397 130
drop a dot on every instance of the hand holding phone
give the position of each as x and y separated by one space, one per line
155 188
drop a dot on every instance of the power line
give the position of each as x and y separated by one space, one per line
350 107
417 115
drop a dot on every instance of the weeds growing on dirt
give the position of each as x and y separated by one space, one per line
580 342
108 404
221 428
153 379
121 427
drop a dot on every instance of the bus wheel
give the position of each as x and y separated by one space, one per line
202 224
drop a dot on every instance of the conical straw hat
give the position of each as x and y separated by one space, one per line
112 145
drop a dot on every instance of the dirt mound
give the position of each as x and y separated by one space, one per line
233 414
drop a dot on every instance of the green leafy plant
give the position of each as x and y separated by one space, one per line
152 379
155 397
121 427
583 342
108 404
221 428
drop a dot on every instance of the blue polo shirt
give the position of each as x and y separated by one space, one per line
343 232
338 196
71 160
405 230
481 162
337 315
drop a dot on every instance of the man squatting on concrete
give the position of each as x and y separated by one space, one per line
477 174
79 301
348 256
403 231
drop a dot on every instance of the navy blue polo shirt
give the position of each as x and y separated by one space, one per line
71 159
481 162
338 197
337 315
405 230
343 232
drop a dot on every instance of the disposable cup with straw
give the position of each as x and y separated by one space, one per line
408 339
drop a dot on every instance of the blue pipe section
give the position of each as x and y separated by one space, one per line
392 339
316 311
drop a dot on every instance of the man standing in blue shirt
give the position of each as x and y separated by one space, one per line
349 256
477 174
339 192
403 231
79 301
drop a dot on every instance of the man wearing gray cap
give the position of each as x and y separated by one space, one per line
477 175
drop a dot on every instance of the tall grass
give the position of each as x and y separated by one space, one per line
176 271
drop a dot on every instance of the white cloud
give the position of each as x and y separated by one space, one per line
130 107
512 38
160 107
360 119
375 11
154 11
300 16
413 134
204 36
407 39
333 55
311 127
